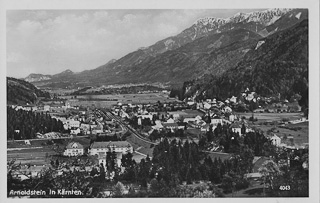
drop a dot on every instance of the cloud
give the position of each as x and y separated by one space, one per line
51 41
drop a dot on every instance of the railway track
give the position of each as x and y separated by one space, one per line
129 128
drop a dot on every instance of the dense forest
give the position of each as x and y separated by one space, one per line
25 124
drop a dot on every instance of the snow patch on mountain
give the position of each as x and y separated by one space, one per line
259 44
273 20
298 15
266 17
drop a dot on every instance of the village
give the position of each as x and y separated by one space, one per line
107 129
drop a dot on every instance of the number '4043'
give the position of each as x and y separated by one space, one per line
284 187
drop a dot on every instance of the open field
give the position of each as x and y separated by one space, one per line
33 156
39 152
298 132
269 117
109 100
85 141
140 146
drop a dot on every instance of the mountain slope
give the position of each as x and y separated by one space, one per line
190 54
22 92
278 66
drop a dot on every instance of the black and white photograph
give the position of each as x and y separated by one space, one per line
123 100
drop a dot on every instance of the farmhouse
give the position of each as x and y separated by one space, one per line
74 149
275 140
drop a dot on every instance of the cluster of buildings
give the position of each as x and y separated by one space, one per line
100 149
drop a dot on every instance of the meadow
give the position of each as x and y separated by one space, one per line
113 99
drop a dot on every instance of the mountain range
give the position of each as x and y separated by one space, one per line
278 65
211 46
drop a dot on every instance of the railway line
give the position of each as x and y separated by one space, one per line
109 115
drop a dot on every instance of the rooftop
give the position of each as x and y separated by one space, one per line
117 144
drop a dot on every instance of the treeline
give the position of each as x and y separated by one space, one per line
231 142
120 90
25 124
175 162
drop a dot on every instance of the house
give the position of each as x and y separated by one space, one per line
158 125
97 129
227 109
170 126
74 149
85 127
190 103
236 127
206 105
170 120
46 108
275 140
186 120
73 124
232 117
75 131
148 116
206 128
233 99
215 120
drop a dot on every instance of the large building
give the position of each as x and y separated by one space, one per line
101 148
74 149
117 146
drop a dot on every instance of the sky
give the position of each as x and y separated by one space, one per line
52 41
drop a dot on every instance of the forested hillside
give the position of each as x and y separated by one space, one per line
278 65
22 92
25 124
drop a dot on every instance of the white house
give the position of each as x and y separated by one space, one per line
170 120
236 127
233 99
227 109
170 126
158 125
75 131
46 108
73 124
74 149
206 105
232 117
275 140
216 120
146 116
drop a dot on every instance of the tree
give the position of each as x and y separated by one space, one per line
243 129
118 189
269 171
